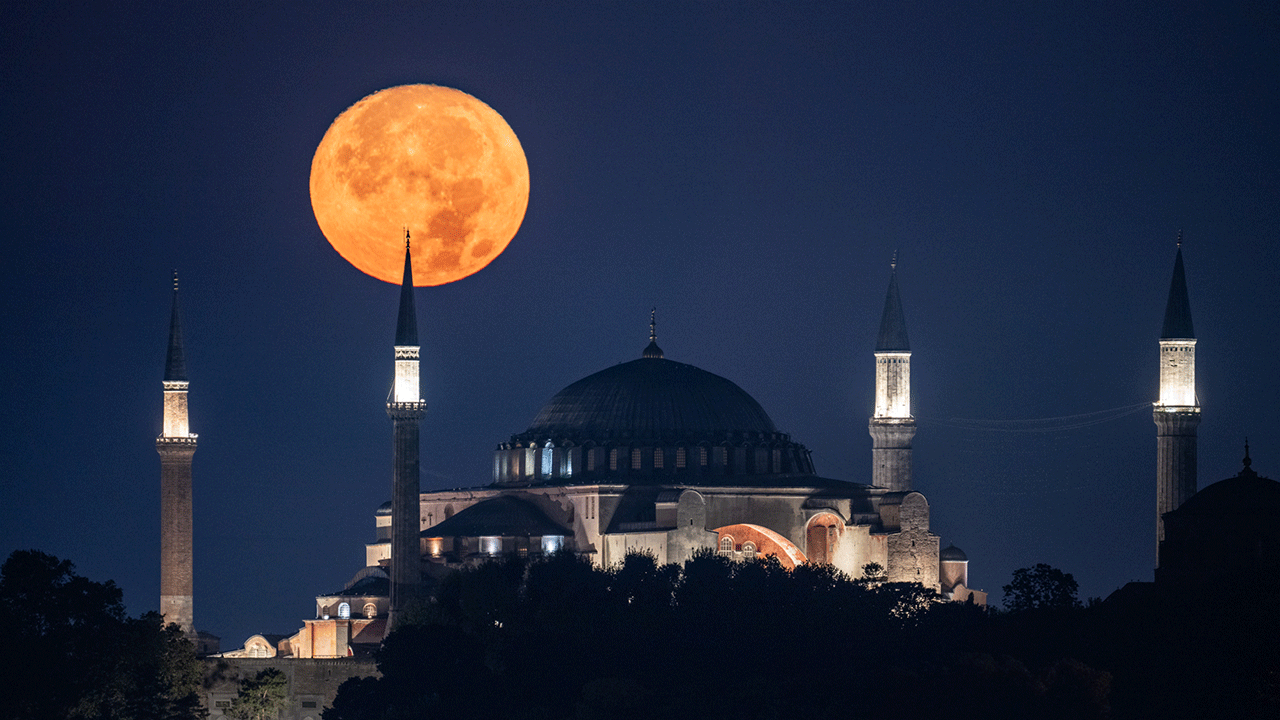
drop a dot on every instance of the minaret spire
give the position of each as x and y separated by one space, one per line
892 427
1177 412
406 409
177 447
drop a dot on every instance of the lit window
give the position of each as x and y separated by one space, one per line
749 550
528 461
657 458
547 452
726 545
552 543
635 458
344 611
370 610
680 457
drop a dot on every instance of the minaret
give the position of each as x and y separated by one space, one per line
176 447
1177 413
892 426
405 408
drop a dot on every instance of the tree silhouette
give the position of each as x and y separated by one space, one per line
1040 587
73 653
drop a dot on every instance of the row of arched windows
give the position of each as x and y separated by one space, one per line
748 548
544 461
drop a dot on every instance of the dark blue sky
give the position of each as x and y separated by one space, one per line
748 168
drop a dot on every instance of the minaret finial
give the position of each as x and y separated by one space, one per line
406 237
1247 460
652 350
1179 237
893 264
175 280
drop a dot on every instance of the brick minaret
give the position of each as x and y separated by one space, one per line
176 447
892 426
405 408
1177 413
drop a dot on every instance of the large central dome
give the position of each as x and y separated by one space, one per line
649 399
650 420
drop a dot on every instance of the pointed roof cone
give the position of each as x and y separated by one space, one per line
175 365
1177 312
893 328
407 320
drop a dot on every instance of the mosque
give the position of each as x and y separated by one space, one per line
654 456
658 456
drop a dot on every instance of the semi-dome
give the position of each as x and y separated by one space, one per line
651 398
651 417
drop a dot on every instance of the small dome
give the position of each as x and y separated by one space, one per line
383 509
651 398
951 553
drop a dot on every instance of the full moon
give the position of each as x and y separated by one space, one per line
429 159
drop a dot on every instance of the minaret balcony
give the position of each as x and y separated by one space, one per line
1162 408
177 439
407 410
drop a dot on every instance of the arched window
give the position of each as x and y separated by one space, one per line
726 545
657 458
547 452
370 610
344 611
635 458
680 457
613 458
702 456
748 550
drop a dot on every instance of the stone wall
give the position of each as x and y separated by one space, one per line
312 683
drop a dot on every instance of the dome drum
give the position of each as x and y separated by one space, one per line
518 463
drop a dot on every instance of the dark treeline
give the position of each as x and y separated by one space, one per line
558 638
70 651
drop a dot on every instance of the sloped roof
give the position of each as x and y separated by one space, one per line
502 516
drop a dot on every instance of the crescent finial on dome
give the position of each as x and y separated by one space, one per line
652 350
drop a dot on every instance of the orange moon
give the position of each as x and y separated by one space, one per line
428 158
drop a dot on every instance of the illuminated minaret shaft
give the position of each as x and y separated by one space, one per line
405 408
1177 413
176 446
892 426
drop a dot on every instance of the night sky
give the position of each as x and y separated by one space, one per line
747 168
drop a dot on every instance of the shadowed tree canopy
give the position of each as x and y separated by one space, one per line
712 639
1040 587
72 652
